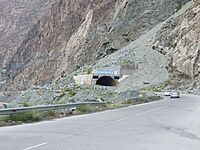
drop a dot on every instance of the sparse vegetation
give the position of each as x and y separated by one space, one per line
85 109
107 94
126 61
68 91
34 116
26 104
88 109
71 93
153 89
84 87
27 117
179 6
89 71
19 118
173 84
143 98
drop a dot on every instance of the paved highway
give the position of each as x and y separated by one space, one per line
171 124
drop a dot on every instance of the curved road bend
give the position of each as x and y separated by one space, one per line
171 124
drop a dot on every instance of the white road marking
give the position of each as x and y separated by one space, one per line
114 110
80 116
35 146
95 128
104 125
109 123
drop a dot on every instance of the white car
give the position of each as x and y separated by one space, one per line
175 94
167 93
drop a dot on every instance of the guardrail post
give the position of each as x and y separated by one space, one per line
5 105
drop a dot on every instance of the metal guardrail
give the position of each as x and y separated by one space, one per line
8 111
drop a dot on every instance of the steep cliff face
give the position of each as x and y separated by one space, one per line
179 41
41 40
16 19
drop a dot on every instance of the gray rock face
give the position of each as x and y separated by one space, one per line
180 39
43 39
17 18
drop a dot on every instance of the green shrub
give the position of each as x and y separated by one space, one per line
30 116
179 6
88 108
142 99
49 114
26 117
26 104
69 91
89 71
85 109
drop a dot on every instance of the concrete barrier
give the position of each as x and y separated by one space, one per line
83 79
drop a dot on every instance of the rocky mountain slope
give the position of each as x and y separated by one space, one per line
178 40
42 40
151 68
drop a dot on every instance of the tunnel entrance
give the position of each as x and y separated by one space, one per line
106 81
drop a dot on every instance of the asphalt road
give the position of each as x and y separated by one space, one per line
171 124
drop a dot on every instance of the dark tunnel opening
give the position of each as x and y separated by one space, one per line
106 81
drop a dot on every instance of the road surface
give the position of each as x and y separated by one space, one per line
171 124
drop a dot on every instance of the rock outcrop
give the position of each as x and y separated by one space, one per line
179 40
43 39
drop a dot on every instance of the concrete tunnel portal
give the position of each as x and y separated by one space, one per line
106 76
106 81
